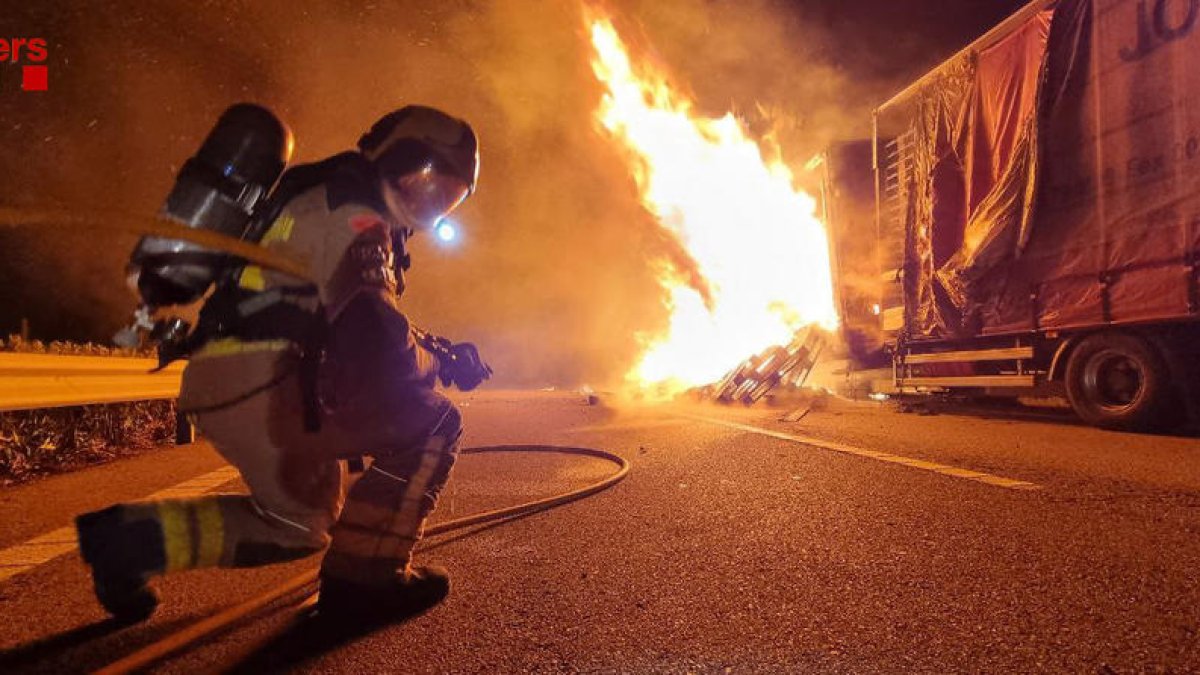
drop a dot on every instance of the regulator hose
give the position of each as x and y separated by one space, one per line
231 615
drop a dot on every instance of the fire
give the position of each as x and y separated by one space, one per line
754 264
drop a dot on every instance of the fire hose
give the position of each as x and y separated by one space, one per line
253 253
150 226
231 615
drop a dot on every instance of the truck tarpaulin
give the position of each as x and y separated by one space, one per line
1059 187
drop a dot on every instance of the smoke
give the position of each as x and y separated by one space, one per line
552 276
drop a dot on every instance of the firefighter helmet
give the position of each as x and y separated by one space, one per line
413 137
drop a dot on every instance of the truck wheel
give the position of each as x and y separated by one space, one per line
1118 381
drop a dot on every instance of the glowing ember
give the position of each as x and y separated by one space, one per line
755 261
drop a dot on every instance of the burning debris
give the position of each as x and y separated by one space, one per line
787 366
751 259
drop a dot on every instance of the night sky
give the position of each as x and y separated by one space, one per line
555 245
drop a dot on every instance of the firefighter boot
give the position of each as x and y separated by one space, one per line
415 590
123 552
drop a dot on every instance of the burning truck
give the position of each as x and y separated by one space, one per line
1026 216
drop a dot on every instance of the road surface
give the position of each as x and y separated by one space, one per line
855 539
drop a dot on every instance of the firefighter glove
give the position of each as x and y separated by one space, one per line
462 366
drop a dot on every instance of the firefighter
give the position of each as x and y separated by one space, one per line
294 377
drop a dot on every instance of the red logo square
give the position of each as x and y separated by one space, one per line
34 78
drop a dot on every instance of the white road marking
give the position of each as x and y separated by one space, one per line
944 469
23 557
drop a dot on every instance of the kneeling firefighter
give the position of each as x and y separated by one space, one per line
288 377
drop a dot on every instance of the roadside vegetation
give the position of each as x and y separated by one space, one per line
35 443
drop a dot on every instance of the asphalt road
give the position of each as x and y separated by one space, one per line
856 539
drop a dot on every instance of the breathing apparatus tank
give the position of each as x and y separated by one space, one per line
219 189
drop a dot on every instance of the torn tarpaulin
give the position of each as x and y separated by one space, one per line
973 166
1064 191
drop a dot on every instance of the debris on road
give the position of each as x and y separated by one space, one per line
787 366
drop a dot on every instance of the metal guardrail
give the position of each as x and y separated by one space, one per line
30 381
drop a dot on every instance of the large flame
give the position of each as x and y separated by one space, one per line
755 258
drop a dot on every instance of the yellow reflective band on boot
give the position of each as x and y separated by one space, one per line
177 538
211 526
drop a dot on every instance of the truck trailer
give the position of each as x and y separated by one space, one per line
1026 216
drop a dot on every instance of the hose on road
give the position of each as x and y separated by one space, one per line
227 617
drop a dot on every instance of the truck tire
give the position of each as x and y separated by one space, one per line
1118 381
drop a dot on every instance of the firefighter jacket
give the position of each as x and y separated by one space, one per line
332 218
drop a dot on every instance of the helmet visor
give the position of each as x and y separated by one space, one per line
428 193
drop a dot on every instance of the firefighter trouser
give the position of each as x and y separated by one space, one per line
410 432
